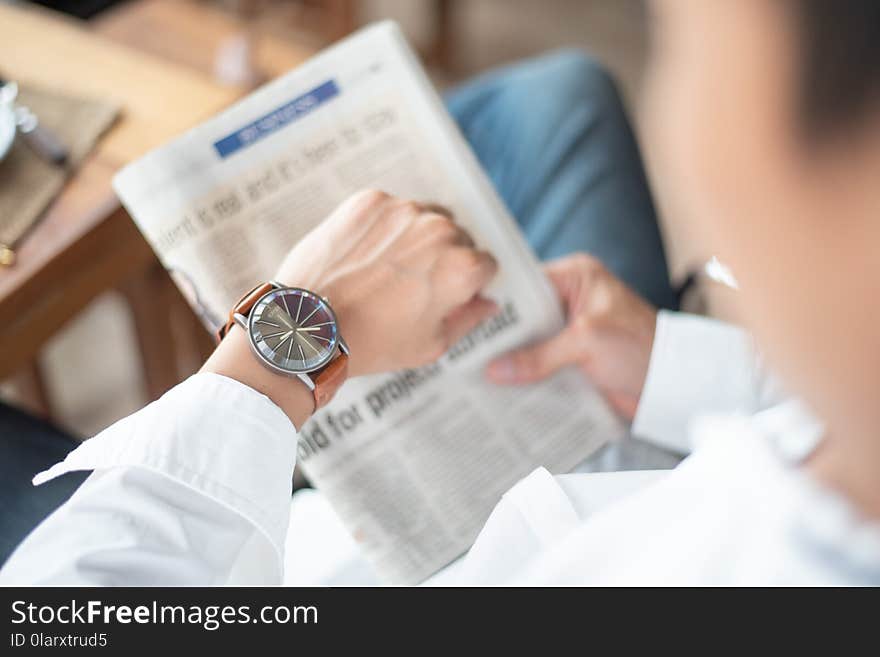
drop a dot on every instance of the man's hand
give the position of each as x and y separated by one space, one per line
404 280
609 334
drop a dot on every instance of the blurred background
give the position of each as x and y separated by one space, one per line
98 349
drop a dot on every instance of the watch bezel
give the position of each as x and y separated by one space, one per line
332 348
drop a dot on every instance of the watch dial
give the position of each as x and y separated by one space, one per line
294 330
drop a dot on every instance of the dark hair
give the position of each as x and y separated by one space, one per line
840 73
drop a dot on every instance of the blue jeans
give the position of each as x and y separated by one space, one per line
554 138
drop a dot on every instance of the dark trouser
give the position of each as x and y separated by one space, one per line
28 446
553 136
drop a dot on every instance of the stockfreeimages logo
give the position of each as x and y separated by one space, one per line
209 617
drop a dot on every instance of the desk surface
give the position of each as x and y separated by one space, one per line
158 99
86 244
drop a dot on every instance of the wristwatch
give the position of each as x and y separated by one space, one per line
293 332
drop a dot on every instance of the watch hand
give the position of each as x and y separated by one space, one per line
309 328
282 340
306 318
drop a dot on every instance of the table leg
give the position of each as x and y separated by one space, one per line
340 19
195 342
441 51
172 341
149 297
30 390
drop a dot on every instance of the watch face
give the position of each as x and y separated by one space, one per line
293 330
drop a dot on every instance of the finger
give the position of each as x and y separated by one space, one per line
536 362
466 318
574 262
479 271
436 208
464 273
408 205
572 276
463 238
363 200
456 235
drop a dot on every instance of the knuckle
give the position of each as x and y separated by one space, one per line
470 262
372 196
490 264
377 194
587 262
438 218
442 228
436 208
409 207
443 223
465 269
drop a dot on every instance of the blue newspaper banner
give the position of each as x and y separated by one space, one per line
276 119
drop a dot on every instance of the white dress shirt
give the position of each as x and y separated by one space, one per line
196 489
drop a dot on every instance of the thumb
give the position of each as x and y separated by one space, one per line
535 362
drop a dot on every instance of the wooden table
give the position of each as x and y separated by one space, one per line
87 244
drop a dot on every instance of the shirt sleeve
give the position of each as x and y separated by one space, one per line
538 512
193 489
699 366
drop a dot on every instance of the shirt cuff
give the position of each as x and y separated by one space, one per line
698 365
213 434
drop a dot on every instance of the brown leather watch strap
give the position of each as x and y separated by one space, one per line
329 379
243 307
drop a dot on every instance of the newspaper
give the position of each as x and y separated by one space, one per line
414 461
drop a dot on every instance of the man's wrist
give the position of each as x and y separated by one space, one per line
233 358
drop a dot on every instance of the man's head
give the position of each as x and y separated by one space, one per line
764 121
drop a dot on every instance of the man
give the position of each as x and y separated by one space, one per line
770 143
